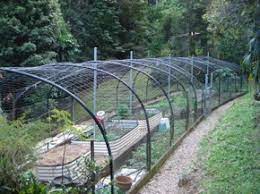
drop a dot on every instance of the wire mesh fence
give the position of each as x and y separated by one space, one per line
124 114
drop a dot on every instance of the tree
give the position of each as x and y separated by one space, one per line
94 23
33 33
251 62
230 26
165 24
133 19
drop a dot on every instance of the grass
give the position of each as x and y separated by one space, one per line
160 143
106 96
231 161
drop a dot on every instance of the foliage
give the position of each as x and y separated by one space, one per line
230 24
165 23
43 31
94 23
133 19
122 111
17 140
224 73
230 152
251 61
31 186
61 119
17 155
33 33
160 143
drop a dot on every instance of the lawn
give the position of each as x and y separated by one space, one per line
230 154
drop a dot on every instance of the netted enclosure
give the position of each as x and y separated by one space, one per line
99 121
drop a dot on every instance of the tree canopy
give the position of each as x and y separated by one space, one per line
35 32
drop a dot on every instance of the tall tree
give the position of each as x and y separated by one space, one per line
230 26
133 19
32 33
94 23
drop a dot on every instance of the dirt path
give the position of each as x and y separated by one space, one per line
173 178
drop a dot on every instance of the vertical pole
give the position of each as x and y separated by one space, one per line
169 79
241 83
1 111
229 87
219 90
206 95
13 108
95 88
210 91
93 175
72 109
131 83
207 86
208 64
92 149
235 84
191 70
211 80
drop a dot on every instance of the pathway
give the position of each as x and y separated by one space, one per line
171 178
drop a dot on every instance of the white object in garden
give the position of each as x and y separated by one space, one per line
164 124
101 115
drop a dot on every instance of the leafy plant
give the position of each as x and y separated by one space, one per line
251 62
17 141
122 111
30 185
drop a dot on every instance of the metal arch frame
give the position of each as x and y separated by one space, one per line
138 62
181 71
179 68
232 66
200 61
144 73
81 65
33 87
121 77
149 78
179 82
151 67
174 59
233 71
16 71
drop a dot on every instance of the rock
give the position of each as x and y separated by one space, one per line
184 180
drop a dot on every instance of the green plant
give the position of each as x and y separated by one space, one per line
30 185
229 154
17 141
251 61
122 111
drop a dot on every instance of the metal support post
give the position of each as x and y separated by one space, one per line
131 84
169 79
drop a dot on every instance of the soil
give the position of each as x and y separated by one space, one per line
55 156
181 173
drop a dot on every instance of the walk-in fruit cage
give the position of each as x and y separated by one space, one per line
124 115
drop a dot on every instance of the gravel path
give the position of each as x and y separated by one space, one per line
166 181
